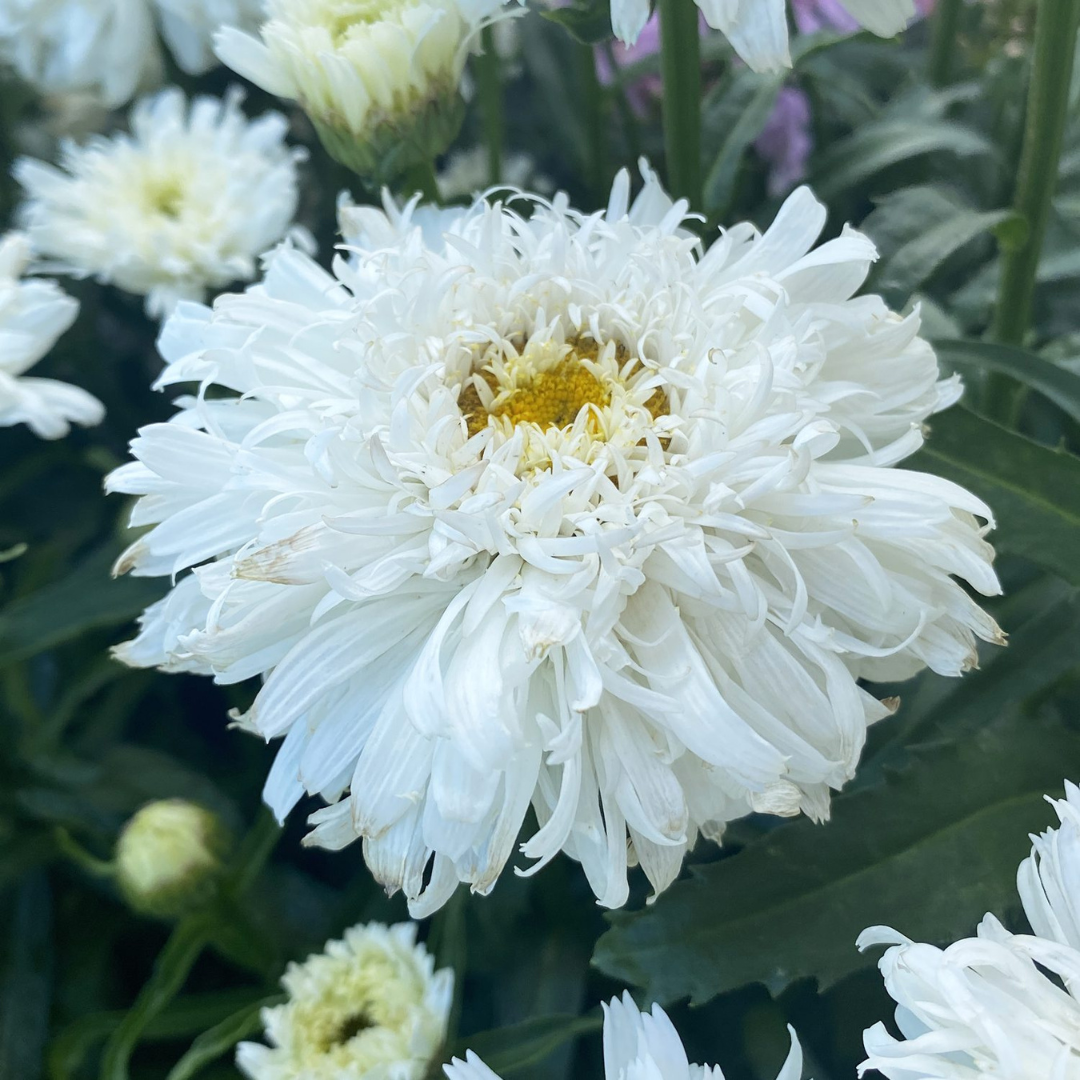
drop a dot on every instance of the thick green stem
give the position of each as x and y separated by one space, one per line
680 65
421 177
489 92
943 35
1044 129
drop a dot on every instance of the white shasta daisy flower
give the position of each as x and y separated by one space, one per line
558 511
369 1007
637 1046
378 78
33 315
110 47
758 29
185 203
998 1006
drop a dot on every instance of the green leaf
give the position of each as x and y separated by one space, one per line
920 258
25 976
790 905
853 160
1034 491
507 1049
222 1037
751 99
1057 383
86 599
587 21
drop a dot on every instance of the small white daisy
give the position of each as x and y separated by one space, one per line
556 510
369 1007
33 315
185 203
637 1046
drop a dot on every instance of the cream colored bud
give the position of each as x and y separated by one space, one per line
169 857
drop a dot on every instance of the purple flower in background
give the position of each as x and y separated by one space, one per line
785 142
641 91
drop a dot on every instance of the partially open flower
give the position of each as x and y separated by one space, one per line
371 1005
169 856
378 78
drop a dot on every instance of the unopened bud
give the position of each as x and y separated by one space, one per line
169 857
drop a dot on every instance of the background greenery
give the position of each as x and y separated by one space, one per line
915 141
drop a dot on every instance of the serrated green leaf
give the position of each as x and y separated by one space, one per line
506 1049
755 96
918 259
1034 491
86 599
790 905
1057 383
854 160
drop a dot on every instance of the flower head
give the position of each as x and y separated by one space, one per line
109 48
379 78
33 314
758 30
637 1046
185 203
998 1005
555 510
169 855
370 1007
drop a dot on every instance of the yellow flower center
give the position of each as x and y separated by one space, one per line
547 390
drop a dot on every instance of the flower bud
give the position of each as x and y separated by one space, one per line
378 78
169 857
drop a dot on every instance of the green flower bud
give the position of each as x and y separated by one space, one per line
169 857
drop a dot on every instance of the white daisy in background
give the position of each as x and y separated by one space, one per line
465 175
998 1006
758 29
33 315
109 48
370 1006
637 1046
559 511
379 79
185 203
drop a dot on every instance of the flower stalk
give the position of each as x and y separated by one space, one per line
1047 110
943 35
680 66
490 95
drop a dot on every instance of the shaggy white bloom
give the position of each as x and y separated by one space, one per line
758 29
379 78
370 1007
33 314
555 510
185 203
110 47
637 1046
986 1008
1049 880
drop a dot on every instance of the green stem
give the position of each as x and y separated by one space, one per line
680 65
943 38
490 96
71 849
421 177
1044 129
185 945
